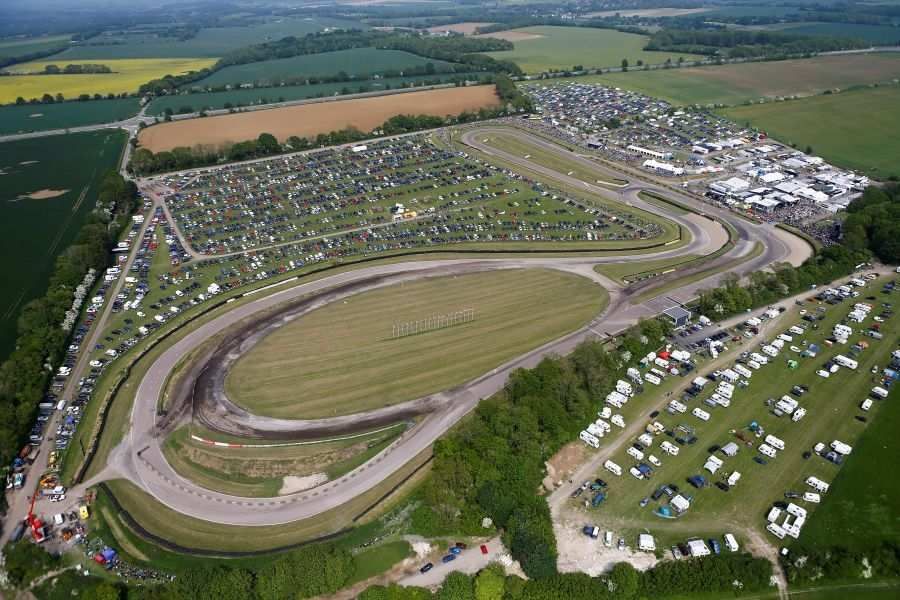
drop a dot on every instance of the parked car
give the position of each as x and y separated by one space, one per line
426 567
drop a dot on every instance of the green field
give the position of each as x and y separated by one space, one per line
357 61
739 83
41 117
250 97
857 130
12 47
861 509
831 404
209 42
878 35
565 47
341 359
34 231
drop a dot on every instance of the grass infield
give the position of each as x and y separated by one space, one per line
340 359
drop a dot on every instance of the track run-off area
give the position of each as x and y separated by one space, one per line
139 457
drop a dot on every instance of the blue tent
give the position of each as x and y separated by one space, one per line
108 554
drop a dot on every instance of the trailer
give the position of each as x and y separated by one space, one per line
669 448
775 442
612 467
846 362
700 414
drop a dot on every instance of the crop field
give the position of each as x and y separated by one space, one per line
211 42
564 47
878 35
21 47
267 95
740 83
354 62
467 28
365 114
127 76
341 359
268 472
47 188
831 404
857 130
41 117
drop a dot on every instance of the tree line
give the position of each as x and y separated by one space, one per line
76 69
745 43
873 223
41 342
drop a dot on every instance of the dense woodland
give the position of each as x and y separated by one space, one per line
41 341
742 43
873 222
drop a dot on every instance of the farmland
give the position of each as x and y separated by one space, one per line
831 404
862 132
22 47
354 62
739 83
210 42
341 359
310 120
564 47
265 95
41 117
60 175
127 77
878 35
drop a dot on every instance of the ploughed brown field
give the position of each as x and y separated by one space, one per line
309 120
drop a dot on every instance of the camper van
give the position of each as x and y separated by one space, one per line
618 421
612 467
767 450
652 378
676 406
637 474
776 530
879 392
775 442
846 362
817 484
769 351
798 414
669 448
700 414
866 404
624 388
635 453
731 542
646 439
589 439
743 371
841 448
733 479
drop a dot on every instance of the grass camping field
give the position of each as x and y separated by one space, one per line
211 42
310 120
47 188
127 76
341 359
357 61
41 117
564 47
740 83
858 129
832 404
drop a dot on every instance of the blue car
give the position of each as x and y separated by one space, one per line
455 550
448 558
714 544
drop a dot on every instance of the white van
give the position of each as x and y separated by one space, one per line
866 404
612 467
637 474
731 542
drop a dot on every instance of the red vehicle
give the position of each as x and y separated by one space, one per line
484 549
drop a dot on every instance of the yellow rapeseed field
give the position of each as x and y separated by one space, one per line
127 76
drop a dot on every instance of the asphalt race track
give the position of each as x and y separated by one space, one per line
139 457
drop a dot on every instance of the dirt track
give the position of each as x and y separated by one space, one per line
309 120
